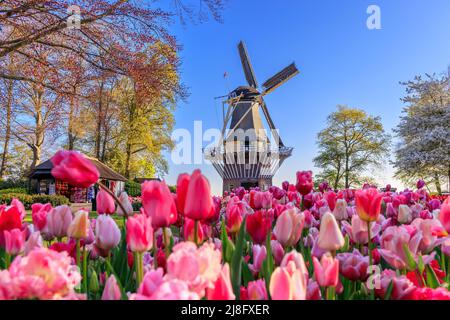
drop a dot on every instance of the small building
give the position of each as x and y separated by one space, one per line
42 182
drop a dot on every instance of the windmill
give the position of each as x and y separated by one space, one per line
247 154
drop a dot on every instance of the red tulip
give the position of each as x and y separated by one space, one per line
158 204
189 226
139 233
105 203
74 168
10 219
39 214
331 197
182 188
199 204
234 215
304 182
222 289
258 225
368 204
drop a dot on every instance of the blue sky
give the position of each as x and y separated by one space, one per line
341 61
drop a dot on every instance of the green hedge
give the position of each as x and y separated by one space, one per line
14 190
28 200
7 184
133 188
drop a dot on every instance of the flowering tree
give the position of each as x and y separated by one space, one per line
424 148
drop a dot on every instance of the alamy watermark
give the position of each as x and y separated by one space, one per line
374 20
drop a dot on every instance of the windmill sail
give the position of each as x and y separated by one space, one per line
280 78
246 64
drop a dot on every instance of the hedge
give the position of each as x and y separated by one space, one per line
133 188
14 190
10 183
28 200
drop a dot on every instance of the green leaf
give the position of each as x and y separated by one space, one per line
432 279
227 245
388 294
236 264
420 265
410 261
246 273
268 264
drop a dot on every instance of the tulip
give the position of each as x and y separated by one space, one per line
125 201
58 221
199 204
234 216
182 188
139 233
14 241
324 186
288 283
340 210
189 229
222 289
10 219
107 233
285 185
105 203
277 251
19 205
258 226
444 215
34 241
158 204
259 255
304 182
93 282
330 197
256 290
39 214
79 227
263 200
368 204
111 290
404 214
74 168
326 271
353 266
151 282
298 260
289 226
357 231
402 287
330 236
420 184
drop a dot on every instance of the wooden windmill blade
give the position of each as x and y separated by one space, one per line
280 78
270 122
247 66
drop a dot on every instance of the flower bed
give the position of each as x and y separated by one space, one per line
288 243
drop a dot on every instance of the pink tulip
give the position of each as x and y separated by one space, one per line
330 236
19 205
188 229
340 210
105 203
174 290
74 168
313 292
39 214
259 255
357 231
368 204
256 290
326 271
234 216
125 201
199 204
404 214
431 229
111 290
222 289
289 226
444 215
158 204
58 221
304 182
298 260
34 241
263 200
182 188
402 287
288 283
353 266
14 241
151 282
139 233
277 251
107 233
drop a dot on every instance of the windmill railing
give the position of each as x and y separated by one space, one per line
219 152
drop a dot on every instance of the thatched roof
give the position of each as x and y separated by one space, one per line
44 169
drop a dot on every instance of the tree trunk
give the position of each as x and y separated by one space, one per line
7 129
437 183
70 127
39 133
98 137
127 161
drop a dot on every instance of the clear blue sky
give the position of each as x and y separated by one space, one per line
340 60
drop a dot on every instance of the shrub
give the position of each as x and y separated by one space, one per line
133 188
10 183
14 190
28 200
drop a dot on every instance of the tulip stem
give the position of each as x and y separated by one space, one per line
105 188
85 280
7 260
369 242
166 244
78 253
448 269
195 232
331 293
155 251
138 257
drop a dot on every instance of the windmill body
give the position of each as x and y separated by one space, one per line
248 155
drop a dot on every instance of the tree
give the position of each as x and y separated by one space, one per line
424 131
351 143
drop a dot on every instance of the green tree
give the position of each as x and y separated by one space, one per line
351 143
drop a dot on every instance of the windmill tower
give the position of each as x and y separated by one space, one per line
248 155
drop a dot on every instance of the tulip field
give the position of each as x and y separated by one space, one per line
293 242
